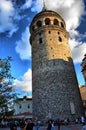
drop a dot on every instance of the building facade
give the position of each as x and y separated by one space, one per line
84 67
83 96
23 107
55 91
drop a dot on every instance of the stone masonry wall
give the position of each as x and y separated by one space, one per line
55 91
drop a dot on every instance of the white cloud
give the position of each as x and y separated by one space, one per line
78 50
6 12
14 29
23 46
9 16
27 4
37 6
26 83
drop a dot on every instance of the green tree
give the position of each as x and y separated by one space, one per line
7 94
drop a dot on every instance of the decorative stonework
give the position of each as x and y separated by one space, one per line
54 84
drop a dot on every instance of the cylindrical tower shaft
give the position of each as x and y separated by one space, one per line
55 92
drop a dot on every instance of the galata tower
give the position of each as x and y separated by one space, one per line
55 92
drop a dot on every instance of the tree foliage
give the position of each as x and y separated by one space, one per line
7 95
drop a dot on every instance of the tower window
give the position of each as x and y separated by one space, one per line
49 32
62 25
39 24
47 21
58 32
56 22
40 40
60 39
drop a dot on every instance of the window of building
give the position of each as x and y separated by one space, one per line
60 39
28 106
56 22
58 32
62 25
49 32
20 107
39 24
40 40
47 21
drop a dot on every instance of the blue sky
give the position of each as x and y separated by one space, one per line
15 19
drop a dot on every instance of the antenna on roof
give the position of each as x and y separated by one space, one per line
43 3
44 6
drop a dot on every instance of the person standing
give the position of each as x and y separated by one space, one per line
29 125
13 126
58 123
83 120
49 125
38 125
52 126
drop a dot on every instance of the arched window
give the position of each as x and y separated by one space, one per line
56 22
62 25
39 23
47 21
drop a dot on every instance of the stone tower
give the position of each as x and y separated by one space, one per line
55 91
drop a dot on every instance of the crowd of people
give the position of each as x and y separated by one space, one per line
27 124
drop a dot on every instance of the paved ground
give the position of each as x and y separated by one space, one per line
68 127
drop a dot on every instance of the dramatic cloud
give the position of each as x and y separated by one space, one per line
23 46
78 50
10 15
7 12
37 6
26 82
27 4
